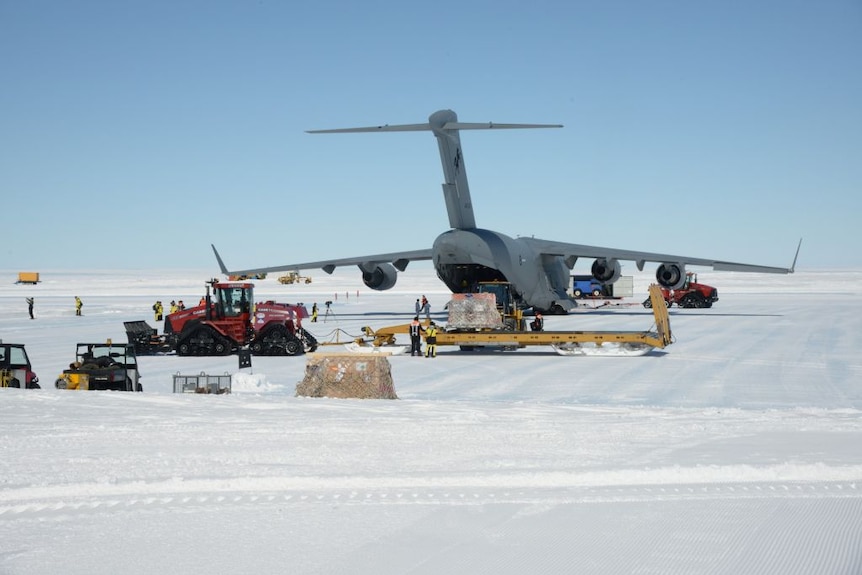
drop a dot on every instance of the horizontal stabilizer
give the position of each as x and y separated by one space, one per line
429 127
445 126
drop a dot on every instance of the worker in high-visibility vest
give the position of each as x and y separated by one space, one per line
431 340
78 305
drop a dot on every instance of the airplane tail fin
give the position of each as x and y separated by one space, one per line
220 262
796 257
445 126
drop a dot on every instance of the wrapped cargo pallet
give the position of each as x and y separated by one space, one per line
473 311
349 375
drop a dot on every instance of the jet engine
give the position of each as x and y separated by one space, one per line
381 277
606 271
670 276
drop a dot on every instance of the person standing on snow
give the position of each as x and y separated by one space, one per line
158 310
426 307
415 337
78 305
431 340
314 312
30 306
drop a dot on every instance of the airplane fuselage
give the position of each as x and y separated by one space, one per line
464 257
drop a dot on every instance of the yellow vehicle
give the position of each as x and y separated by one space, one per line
294 278
244 277
102 366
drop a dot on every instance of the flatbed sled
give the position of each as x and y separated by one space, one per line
605 343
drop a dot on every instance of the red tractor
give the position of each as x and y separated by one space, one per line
691 294
226 322
278 330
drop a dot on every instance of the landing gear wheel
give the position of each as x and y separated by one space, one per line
557 309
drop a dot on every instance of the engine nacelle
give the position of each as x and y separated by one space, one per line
670 276
381 277
606 271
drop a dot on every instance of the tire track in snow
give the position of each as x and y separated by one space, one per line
132 503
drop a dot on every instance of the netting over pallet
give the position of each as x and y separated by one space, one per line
347 376
474 311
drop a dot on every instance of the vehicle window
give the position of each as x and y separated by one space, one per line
17 356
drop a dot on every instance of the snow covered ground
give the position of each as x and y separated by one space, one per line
738 449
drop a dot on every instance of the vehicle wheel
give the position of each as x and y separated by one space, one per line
184 349
256 348
293 347
273 341
34 386
648 303
668 303
578 293
220 347
689 301
557 309
597 293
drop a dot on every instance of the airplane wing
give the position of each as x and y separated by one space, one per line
571 252
397 259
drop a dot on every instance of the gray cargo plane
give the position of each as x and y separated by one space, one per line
538 269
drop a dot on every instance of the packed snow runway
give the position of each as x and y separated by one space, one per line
734 450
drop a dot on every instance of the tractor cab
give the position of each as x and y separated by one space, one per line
233 299
690 278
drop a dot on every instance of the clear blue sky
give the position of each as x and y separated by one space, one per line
134 134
